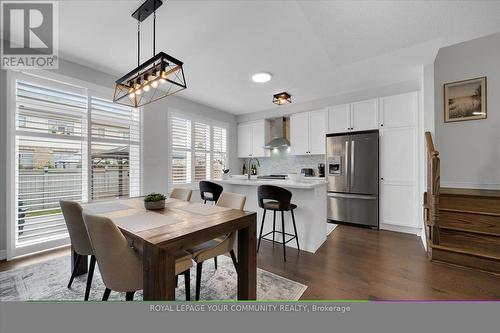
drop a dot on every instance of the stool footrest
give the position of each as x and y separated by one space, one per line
279 232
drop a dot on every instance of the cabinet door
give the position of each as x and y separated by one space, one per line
364 115
317 132
244 140
259 139
398 205
339 119
399 110
299 133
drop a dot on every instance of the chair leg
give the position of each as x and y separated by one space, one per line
283 234
235 262
89 277
215 262
187 284
261 229
105 297
198 279
204 201
75 269
295 228
274 223
129 296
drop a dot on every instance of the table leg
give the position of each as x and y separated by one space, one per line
247 261
159 274
84 266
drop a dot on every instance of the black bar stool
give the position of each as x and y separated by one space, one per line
210 191
277 199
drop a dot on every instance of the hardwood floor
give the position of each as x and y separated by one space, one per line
356 263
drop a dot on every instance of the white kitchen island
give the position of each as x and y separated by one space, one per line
310 214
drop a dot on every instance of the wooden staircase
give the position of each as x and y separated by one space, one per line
462 225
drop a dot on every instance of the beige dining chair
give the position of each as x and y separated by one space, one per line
181 194
220 245
80 242
119 263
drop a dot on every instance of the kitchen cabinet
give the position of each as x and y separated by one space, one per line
398 162
252 137
358 116
307 132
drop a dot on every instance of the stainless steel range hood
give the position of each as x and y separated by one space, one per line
279 129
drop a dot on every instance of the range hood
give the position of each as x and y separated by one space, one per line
278 129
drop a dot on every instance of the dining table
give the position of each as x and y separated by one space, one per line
180 225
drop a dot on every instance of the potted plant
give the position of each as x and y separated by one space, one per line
154 201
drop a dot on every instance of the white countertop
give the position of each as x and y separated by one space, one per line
286 183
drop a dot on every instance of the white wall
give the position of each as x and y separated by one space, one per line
338 99
3 158
469 150
156 138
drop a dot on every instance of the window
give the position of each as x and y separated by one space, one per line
68 145
115 148
198 149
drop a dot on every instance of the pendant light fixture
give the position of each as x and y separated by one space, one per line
282 98
158 77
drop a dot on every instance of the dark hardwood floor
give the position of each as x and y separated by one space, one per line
357 263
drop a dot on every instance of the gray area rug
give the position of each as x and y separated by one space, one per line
48 281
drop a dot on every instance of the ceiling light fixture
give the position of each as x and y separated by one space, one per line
261 77
282 98
156 78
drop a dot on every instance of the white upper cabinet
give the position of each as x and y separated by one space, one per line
307 132
251 139
399 110
364 115
358 116
339 118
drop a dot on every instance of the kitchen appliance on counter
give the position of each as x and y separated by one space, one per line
321 170
352 173
307 172
279 177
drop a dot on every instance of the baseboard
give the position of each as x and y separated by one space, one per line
398 228
3 254
480 186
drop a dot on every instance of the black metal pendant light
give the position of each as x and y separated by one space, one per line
158 77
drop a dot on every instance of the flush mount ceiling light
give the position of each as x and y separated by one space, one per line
156 78
261 77
282 98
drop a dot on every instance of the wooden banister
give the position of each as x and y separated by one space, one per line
431 197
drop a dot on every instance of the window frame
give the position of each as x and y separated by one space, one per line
194 118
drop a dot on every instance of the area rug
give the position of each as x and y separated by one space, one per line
47 281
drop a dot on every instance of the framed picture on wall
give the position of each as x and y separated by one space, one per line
465 100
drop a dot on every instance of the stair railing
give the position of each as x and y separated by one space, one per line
431 197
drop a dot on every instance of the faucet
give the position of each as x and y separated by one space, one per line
248 165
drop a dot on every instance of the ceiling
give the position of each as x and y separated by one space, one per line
314 49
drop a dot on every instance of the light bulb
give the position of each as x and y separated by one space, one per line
164 75
138 91
131 95
162 80
146 87
154 84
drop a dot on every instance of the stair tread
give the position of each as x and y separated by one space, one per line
466 252
470 192
441 226
469 211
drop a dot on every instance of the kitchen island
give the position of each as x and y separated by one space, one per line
310 214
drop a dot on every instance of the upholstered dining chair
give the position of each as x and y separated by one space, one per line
72 212
181 194
210 191
119 263
220 245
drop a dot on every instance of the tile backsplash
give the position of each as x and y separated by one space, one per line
282 162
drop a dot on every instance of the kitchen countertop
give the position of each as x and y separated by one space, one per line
286 183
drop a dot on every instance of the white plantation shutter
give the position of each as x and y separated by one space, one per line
51 160
201 151
180 130
219 151
115 150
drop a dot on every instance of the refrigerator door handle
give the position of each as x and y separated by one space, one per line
352 196
346 160
352 166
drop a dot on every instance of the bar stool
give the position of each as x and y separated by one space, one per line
277 199
210 191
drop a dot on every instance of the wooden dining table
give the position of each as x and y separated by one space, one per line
179 226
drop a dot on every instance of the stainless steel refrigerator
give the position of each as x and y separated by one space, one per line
352 172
